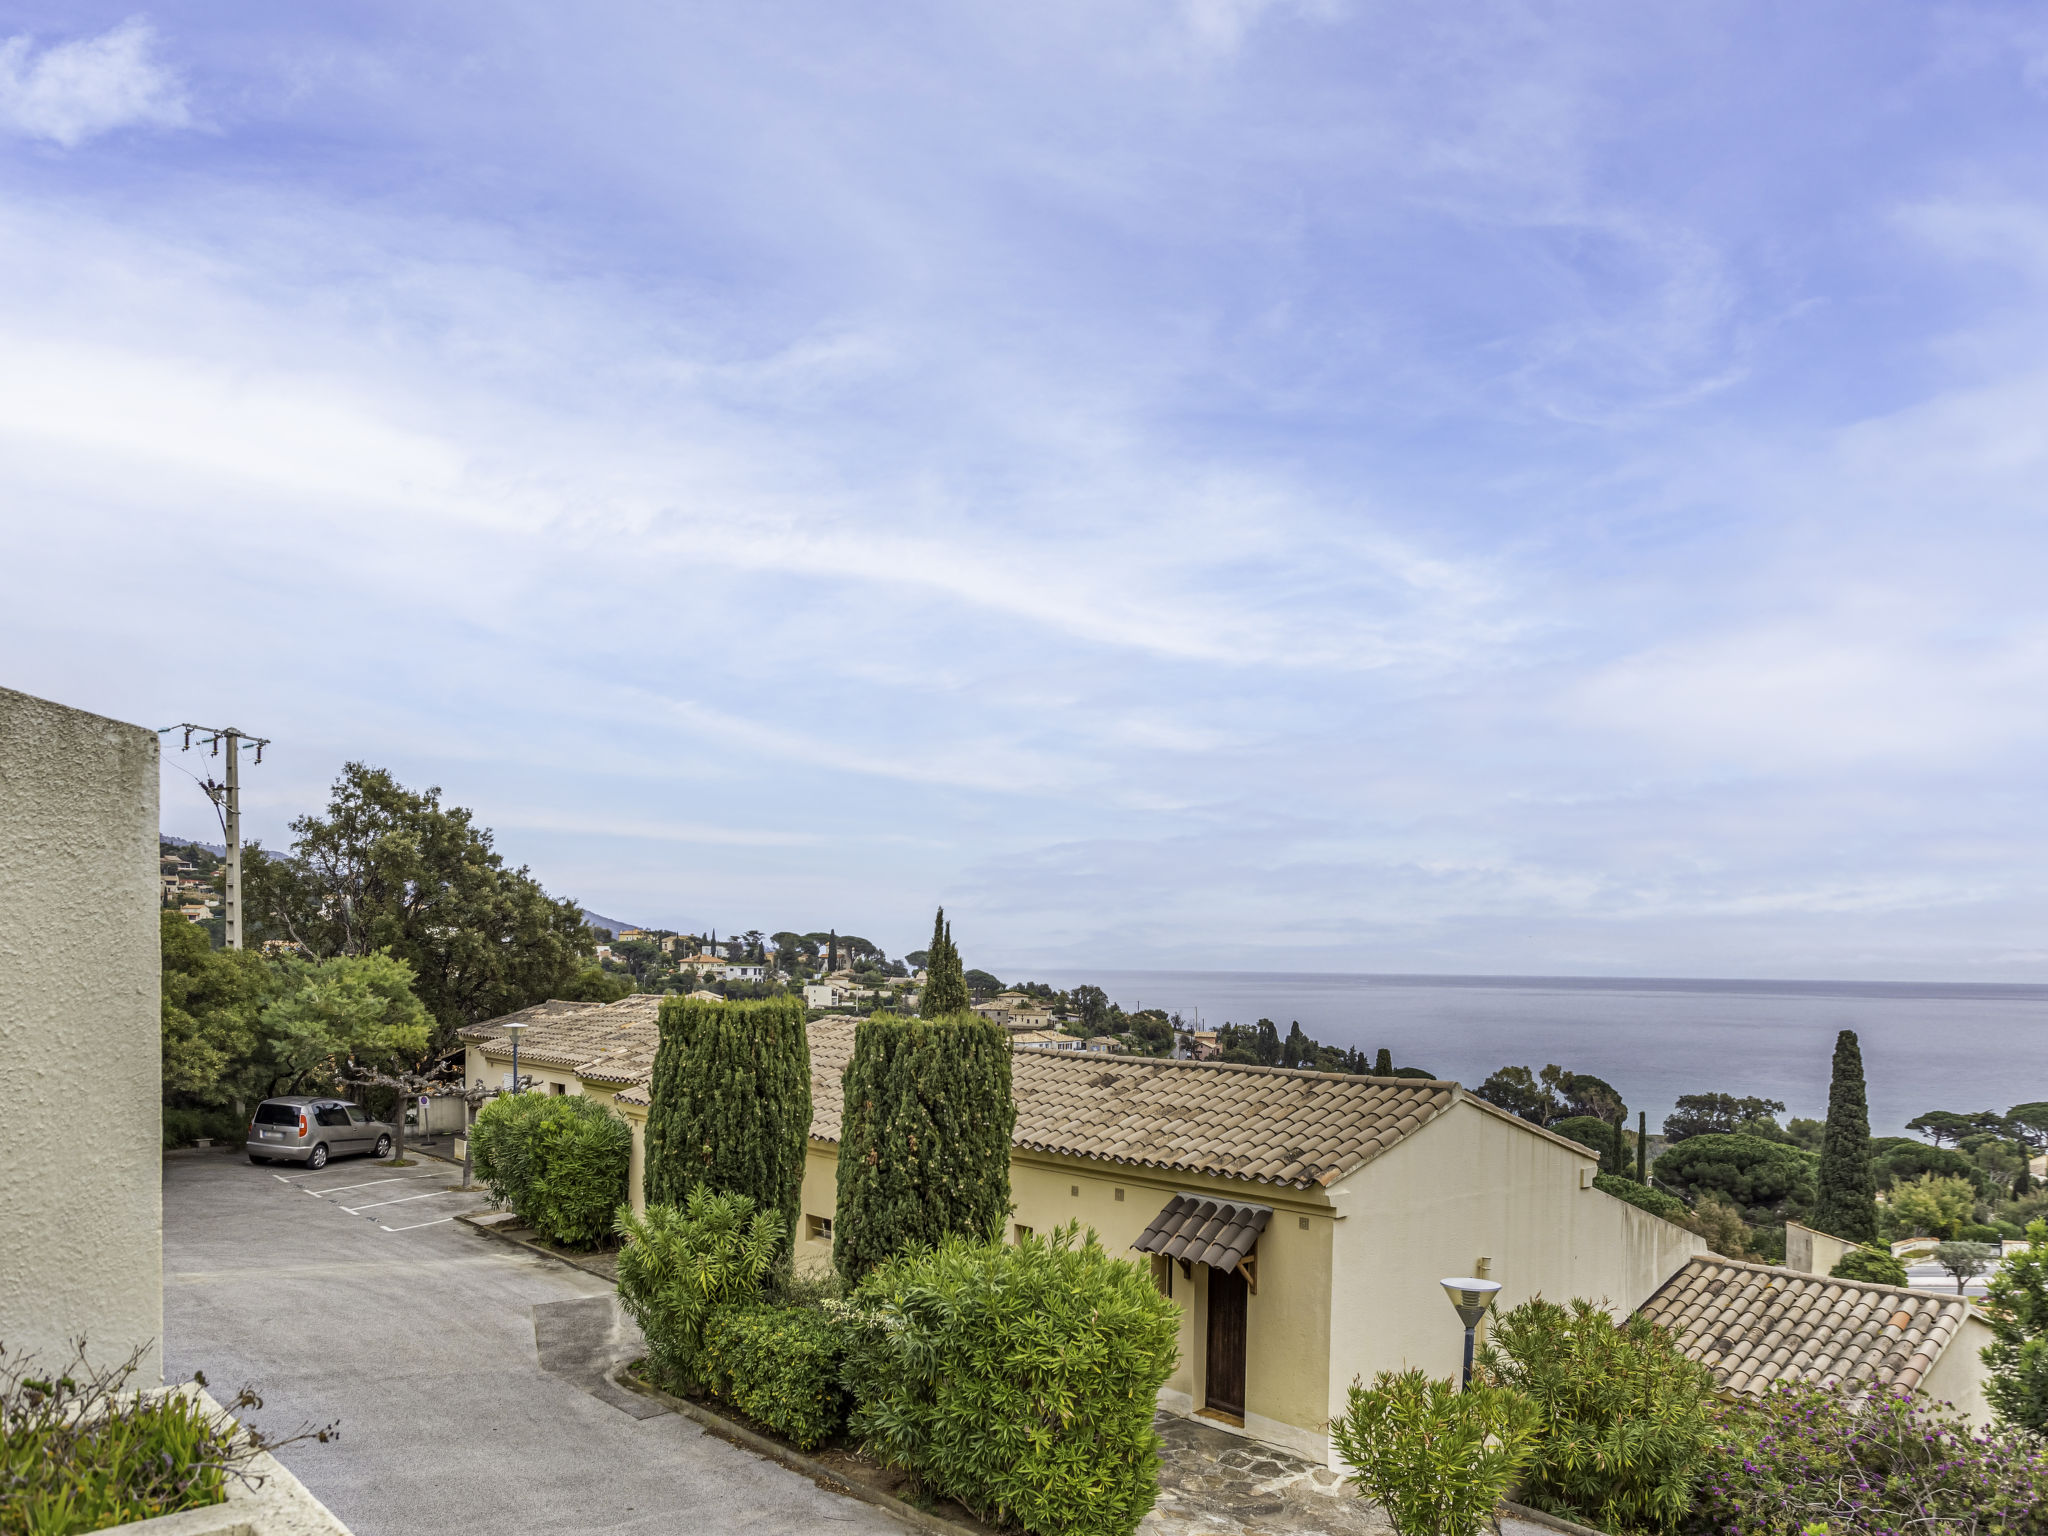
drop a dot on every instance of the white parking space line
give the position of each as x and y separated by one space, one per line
415 1226
401 1200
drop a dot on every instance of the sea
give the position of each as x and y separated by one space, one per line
1926 1045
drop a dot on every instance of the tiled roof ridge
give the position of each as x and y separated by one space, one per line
1779 1271
1098 1059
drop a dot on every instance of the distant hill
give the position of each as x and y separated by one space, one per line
167 843
610 925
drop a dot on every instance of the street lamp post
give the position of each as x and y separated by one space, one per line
513 1030
1470 1298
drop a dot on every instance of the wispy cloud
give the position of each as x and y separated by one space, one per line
74 91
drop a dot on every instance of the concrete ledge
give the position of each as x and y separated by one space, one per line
489 1223
280 1506
795 1460
1547 1520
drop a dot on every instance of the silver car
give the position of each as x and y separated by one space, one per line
310 1131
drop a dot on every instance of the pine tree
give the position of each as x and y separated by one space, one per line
731 1105
924 1144
1384 1067
1848 1200
945 982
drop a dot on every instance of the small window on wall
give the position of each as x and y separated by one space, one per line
821 1228
558 1087
1019 1232
1162 1274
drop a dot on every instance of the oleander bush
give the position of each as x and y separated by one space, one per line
1626 1426
558 1161
779 1365
1803 1459
682 1263
1873 1265
1020 1380
1437 1460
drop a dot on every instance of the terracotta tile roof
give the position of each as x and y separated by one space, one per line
1203 1230
1753 1324
1265 1124
605 1042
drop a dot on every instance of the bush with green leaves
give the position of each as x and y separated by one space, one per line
1806 1459
1436 1459
681 1263
1626 1419
559 1161
1872 1265
1655 1201
779 1365
1020 1380
2016 1306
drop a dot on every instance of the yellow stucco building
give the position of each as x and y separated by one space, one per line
1301 1220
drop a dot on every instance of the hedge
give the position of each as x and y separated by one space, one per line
1020 1380
1655 1201
779 1365
559 1161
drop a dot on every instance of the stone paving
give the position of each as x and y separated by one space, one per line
1215 1483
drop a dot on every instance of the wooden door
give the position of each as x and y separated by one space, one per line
1226 1343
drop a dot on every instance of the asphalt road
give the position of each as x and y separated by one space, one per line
352 1294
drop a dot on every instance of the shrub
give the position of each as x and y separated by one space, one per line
182 1127
80 1451
1803 1458
924 1149
1869 1264
1654 1201
1587 1131
1020 1380
779 1365
1626 1420
1934 1204
731 1103
2016 1306
560 1162
680 1263
1437 1460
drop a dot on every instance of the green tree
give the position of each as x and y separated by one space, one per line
1934 1205
2016 1307
1383 1064
924 1146
1762 1177
1722 1114
343 1009
1965 1261
389 868
212 1005
1522 1093
945 984
1847 1203
731 1105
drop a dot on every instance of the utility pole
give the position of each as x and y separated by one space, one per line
227 804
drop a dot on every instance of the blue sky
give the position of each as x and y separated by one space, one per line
1399 487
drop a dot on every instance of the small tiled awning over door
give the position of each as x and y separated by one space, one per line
1200 1229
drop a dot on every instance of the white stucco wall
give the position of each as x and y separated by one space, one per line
1958 1377
1476 1185
81 1208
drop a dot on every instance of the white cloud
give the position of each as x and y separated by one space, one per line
78 90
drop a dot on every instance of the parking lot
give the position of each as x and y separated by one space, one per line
354 1294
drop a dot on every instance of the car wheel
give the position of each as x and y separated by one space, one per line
255 1159
317 1158
383 1146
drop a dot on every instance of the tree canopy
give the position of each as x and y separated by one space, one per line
388 868
1722 1114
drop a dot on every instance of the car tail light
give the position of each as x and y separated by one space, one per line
302 1124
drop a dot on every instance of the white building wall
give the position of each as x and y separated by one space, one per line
81 1175
1476 1187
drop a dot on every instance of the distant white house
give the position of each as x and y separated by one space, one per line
823 994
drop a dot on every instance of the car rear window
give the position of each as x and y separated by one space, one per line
277 1114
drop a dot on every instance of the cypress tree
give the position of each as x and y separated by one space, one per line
1384 1067
1642 1146
1616 1160
731 1105
945 982
1848 1199
924 1144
